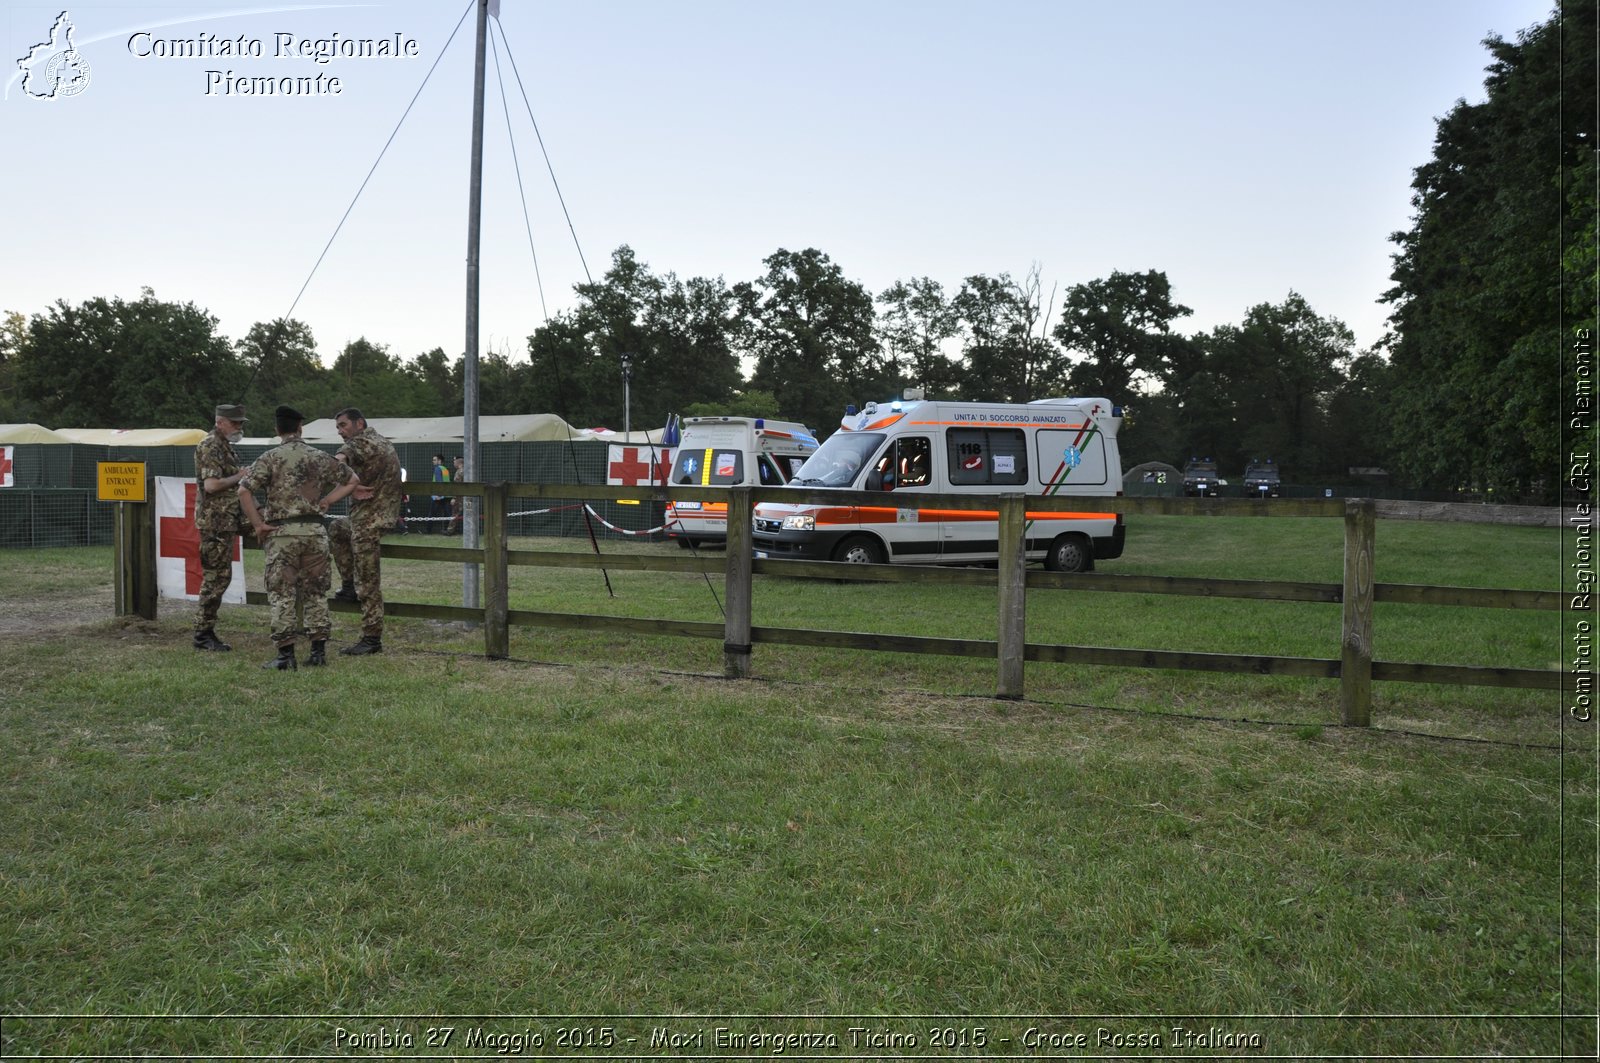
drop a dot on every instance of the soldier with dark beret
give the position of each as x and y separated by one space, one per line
356 539
299 483
218 519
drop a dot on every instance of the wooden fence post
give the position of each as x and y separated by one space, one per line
146 591
1013 628
133 533
1355 665
496 632
122 555
738 586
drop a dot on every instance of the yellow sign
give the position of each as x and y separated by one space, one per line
121 481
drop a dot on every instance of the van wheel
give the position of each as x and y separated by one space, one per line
859 550
1069 553
685 542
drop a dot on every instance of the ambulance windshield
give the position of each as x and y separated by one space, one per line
838 461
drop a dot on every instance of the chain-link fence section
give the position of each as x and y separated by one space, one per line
52 498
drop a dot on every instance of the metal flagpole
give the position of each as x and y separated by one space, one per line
469 404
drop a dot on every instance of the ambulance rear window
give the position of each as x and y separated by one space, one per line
712 466
987 456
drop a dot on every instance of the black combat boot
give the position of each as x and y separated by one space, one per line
319 653
284 661
368 644
346 592
207 640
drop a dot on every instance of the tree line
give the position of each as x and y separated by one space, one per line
1460 395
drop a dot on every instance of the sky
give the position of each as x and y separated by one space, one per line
1247 148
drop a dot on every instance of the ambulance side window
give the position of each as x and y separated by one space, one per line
770 476
985 456
913 462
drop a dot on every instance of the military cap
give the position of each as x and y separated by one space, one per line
288 418
232 413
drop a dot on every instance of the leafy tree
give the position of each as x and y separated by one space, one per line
13 337
282 355
1151 432
367 376
1358 426
692 357
441 380
810 333
1003 360
613 313
675 335
567 378
750 403
1277 373
1477 303
115 364
1121 326
915 324
501 385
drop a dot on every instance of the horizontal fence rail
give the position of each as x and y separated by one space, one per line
1354 667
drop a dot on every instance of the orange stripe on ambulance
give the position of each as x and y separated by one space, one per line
911 447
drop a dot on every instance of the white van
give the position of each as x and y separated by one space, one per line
1065 446
730 452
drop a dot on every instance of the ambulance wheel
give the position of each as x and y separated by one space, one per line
685 542
1070 553
859 550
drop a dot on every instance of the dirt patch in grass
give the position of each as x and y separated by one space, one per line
56 613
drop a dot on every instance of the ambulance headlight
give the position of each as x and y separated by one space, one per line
800 522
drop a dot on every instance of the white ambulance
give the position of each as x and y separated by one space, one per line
730 452
1064 446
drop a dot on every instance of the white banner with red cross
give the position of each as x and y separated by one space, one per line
178 544
642 466
8 478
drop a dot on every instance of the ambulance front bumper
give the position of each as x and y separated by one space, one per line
796 545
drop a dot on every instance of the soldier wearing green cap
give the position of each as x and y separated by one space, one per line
218 519
299 483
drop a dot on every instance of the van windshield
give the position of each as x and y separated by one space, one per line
838 461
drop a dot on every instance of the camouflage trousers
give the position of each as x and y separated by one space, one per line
216 567
355 550
297 582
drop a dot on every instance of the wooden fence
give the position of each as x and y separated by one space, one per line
1354 667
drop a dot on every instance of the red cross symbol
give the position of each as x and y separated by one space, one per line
5 466
633 470
180 538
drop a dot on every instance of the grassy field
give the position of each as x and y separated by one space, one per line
601 827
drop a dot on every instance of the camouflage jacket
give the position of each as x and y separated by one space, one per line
375 461
218 513
292 478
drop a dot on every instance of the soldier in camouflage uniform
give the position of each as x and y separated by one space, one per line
300 483
218 519
355 539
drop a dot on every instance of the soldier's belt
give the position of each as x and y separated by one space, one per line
312 518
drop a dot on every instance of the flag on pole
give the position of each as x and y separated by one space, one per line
178 544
